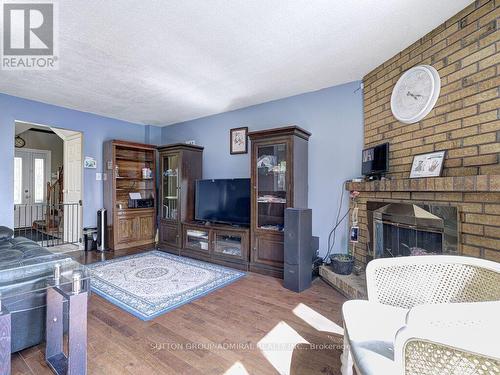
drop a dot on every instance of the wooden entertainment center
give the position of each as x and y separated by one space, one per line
278 180
279 159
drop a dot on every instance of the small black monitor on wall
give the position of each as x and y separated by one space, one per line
375 160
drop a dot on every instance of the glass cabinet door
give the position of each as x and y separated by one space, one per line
228 244
272 189
170 199
198 239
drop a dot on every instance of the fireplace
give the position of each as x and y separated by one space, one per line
404 229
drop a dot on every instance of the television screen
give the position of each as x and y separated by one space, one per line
223 201
375 160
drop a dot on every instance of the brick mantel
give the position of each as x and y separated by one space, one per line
482 183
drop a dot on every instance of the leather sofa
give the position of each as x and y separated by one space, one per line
24 266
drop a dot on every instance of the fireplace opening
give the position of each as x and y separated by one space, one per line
401 229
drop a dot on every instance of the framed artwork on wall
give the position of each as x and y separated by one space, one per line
89 162
238 140
427 165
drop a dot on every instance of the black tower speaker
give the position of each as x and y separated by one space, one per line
298 250
102 227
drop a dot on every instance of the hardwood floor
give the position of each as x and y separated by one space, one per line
216 334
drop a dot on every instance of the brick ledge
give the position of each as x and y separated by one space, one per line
350 286
481 183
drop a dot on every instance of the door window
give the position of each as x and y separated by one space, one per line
39 175
18 180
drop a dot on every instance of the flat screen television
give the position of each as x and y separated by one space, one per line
223 201
375 160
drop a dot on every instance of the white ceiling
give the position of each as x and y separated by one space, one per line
162 62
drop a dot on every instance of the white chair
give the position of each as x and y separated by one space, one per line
434 314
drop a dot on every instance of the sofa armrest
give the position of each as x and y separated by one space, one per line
6 233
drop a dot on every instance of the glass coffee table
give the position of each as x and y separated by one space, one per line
50 290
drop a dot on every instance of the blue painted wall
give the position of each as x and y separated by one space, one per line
334 116
96 130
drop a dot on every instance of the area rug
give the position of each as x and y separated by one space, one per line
150 284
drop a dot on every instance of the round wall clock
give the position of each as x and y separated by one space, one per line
19 142
415 94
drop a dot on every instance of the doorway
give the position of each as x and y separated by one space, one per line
31 175
48 184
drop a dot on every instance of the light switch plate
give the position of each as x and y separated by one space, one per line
98 176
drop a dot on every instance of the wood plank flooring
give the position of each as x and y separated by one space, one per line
216 334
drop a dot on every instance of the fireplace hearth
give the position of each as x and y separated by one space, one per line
406 229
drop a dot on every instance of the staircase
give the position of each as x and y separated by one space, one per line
54 209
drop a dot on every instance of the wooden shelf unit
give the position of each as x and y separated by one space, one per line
123 163
279 180
180 167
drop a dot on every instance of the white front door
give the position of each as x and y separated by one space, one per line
72 187
31 174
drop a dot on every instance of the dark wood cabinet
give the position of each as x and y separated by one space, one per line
170 236
180 167
127 167
279 159
216 243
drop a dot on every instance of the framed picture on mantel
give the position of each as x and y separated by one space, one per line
427 165
238 140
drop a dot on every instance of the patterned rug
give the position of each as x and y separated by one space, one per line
150 284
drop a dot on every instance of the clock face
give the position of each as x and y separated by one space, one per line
415 94
19 142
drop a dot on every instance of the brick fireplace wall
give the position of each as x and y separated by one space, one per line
476 197
465 122
465 50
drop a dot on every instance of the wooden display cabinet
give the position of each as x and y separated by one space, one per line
180 167
279 180
124 164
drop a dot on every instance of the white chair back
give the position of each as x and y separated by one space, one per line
411 281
